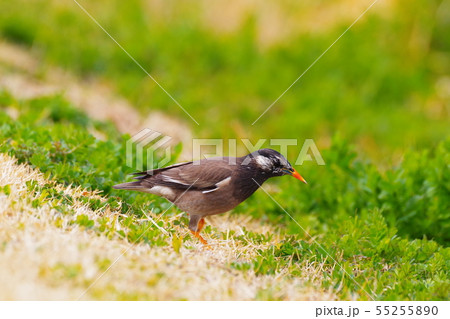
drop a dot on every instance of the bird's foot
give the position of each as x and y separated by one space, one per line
202 240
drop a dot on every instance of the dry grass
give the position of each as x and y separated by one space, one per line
44 256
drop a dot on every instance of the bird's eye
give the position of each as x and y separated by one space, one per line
276 162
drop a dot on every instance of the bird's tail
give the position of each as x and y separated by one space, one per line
130 186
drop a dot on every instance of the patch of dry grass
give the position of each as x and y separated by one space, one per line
44 255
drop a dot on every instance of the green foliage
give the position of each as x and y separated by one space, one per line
378 83
83 220
358 216
414 196
379 262
379 86
362 220
54 137
6 189
57 140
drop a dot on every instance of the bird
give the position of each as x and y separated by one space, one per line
211 186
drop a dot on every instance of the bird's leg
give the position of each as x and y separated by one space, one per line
200 225
197 224
202 240
196 233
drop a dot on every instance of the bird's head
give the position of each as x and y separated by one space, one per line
274 164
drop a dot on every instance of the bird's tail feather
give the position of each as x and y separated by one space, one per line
130 186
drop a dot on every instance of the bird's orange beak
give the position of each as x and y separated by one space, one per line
298 176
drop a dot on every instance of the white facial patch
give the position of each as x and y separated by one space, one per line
284 162
263 162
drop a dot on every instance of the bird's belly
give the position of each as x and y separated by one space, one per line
203 204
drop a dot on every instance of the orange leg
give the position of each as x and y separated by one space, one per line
200 225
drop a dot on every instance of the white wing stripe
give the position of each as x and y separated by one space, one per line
219 185
210 190
223 182
171 180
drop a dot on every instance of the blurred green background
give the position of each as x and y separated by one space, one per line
377 105
384 86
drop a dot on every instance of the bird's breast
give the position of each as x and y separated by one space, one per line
199 203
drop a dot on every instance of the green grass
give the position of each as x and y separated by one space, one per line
374 97
389 230
376 86
54 137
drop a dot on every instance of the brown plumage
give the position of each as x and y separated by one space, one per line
211 186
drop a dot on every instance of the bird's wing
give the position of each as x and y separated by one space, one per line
153 172
204 175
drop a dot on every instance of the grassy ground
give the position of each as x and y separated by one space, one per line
374 244
363 228
54 246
